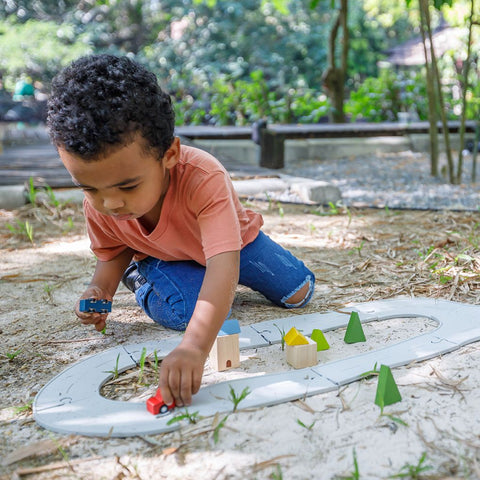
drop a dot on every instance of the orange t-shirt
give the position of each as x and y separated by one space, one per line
201 217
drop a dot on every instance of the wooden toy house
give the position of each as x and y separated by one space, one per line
225 352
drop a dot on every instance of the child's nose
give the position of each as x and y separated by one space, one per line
113 203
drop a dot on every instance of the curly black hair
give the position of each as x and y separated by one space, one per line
100 102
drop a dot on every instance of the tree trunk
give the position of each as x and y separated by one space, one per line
438 86
432 101
475 150
334 78
466 72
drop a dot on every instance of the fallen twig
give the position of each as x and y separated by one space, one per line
21 472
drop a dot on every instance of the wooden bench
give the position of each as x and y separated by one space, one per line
271 138
205 132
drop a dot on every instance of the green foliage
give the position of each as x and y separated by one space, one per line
115 372
22 229
226 62
282 336
192 418
235 38
242 102
12 355
381 99
355 474
38 49
23 10
307 427
414 472
143 357
217 428
395 419
236 399
24 409
32 191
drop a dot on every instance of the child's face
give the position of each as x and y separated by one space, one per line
127 183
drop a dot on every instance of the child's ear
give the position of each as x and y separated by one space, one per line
170 159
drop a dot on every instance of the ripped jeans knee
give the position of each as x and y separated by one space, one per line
301 295
273 271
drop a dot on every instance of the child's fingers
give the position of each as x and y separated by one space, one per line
163 385
196 381
174 381
96 319
100 325
89 317
186 388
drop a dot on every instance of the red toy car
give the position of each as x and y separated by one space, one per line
156 405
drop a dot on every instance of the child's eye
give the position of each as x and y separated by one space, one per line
127 189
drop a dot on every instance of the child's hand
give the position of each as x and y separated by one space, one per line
181 374
96 319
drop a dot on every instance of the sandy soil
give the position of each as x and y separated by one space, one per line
357 256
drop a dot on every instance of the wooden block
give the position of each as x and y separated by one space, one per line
302 356
229 327
319 338
294 337
225 352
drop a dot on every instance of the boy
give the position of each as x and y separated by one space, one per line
170 207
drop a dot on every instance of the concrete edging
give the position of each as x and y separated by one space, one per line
305 190
12 197
15 196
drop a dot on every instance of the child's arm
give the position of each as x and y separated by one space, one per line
181 370
104 284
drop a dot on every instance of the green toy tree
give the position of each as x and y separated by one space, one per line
387 390
354 333
319 338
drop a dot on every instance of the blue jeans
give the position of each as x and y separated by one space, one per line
172 288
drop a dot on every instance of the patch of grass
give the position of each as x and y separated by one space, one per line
277 474
355 475
69 225
236 399
156 362
192 418
143 356
115 371
24 409
48 290
52 199
307 427
282 336
12 355
31 192
275 205
394 419
371 373
414 472
333 209
218 427
21 229
357 249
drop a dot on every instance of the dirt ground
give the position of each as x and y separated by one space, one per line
357 256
